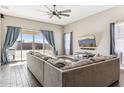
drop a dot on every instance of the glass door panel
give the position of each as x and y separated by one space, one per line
41 44
38 42
27 42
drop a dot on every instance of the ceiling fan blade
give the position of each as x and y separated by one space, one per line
48 8
51 16
65 15
58 16
64 11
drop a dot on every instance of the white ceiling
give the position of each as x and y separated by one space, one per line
34 12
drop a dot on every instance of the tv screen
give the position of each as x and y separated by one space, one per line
87 42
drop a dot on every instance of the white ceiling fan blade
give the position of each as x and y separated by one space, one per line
65 11
65 15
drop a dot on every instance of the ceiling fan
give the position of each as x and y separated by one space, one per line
55 12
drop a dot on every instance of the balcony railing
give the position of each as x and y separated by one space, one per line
21 55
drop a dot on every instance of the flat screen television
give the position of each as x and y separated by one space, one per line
87 42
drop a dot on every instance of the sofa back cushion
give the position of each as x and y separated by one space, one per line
77 64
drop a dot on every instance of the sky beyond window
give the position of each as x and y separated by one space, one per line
29 38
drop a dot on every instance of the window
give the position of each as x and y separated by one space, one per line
119 41
47 49
29 41
38 41
68 43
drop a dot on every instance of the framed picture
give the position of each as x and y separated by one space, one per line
87 42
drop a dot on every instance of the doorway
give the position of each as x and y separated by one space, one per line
28 41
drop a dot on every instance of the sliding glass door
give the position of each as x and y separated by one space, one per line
28 41
38 42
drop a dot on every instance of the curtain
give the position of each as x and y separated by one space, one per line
112 38
49 36
11 36
71 43
64 40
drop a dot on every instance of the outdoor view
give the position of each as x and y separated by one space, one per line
119 41
67 43
28 41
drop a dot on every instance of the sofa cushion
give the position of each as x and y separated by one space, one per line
30 52
37 54
51 60
46 58
97 59
58 62
109 57
101 58
77 64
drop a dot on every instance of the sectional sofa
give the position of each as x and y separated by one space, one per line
86 74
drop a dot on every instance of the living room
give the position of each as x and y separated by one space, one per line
50 49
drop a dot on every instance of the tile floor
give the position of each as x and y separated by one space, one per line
17 75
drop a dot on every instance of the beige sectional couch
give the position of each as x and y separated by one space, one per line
93 74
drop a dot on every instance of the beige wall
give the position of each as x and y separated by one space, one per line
30 24
98 25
